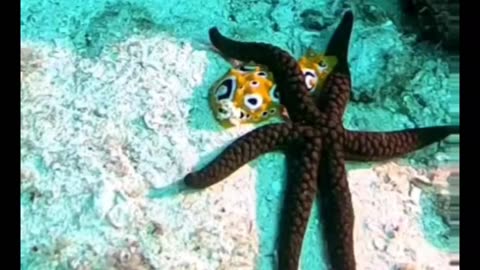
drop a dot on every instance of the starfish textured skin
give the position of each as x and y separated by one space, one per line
317 146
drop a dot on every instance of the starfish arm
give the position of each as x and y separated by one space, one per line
241 151
298 201
337 210
289 79
336 93
334 99
376 146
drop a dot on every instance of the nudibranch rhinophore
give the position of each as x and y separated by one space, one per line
247 95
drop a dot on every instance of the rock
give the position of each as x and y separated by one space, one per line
406 266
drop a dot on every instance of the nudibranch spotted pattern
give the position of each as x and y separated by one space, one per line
315 68
248 94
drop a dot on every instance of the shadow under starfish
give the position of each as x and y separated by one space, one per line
316 143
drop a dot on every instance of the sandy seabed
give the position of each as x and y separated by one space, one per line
99 135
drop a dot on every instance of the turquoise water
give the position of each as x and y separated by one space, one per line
57 204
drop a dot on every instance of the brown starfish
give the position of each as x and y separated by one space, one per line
316 143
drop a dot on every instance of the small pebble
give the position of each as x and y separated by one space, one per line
391 230
379 244
406 266
415 194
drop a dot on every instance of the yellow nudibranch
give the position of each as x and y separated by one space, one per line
247 95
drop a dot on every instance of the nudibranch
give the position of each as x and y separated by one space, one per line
315 68
247 94
244 95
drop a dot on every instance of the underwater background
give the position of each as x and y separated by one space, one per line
114 110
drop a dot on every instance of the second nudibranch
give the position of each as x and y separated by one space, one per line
247 95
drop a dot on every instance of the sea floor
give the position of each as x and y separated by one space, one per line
114 110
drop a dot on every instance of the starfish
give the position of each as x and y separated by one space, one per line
316 145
